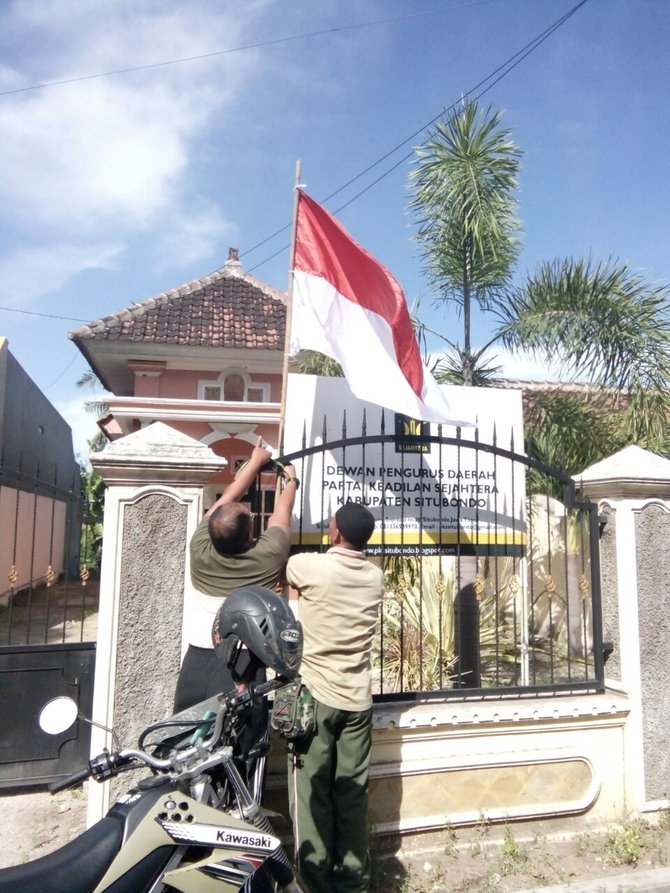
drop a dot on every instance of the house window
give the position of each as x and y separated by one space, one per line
234 386
267 505
256 395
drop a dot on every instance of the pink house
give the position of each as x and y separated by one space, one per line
206 358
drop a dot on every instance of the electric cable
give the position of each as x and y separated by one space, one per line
495 77
251 46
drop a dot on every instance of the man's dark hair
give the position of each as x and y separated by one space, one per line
355 523
230 529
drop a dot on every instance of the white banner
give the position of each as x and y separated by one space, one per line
424 496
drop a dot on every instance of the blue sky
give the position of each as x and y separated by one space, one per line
113 189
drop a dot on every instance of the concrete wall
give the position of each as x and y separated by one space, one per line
151 604
652 534
453 764
39 472
33 433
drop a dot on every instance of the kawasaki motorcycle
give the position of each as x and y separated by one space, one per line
191 823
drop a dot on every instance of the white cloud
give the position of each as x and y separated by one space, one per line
522 365
529 367
30 272
199 233
100 163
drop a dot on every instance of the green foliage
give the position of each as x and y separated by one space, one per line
512 854
418 641
93 491
625 844
611 328
464 202
543 605
604 321
96 407
311 362
451 838
460 368
418 652
570 431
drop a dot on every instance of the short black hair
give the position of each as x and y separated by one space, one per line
355 523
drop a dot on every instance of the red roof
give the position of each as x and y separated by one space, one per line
227 308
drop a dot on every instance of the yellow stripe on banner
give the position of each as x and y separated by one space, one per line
427 538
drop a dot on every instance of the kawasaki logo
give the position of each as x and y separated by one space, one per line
218 836
261 842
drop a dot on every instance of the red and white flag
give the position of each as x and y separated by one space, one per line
348 306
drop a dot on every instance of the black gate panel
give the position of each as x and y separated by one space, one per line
30 677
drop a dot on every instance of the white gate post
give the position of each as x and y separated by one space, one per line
632 488
154 501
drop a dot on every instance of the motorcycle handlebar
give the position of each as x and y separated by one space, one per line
70 781
107 764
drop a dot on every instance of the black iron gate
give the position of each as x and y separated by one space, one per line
491 560
48 619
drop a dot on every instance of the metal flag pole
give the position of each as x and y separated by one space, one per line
289 305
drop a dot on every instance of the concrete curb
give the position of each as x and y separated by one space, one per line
656 880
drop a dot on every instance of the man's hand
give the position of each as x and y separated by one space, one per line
245 477
260 455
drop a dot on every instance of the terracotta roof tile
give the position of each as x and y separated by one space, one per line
227 308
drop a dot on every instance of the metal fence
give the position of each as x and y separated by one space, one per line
49 549
490 561
48 553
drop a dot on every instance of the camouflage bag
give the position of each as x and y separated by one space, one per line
293 710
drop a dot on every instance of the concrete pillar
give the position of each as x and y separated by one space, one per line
153 503
632 488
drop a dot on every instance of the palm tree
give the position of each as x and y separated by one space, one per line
604 323
466 210
311 362
98 407
607 326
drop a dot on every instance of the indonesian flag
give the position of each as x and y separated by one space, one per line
348 306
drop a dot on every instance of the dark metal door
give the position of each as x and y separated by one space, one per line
31 676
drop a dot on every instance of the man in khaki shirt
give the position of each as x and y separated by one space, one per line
340 596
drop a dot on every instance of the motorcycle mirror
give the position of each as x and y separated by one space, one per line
57 715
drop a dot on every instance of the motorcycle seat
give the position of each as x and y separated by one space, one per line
78 867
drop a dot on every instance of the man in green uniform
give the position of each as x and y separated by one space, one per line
340 596
224 557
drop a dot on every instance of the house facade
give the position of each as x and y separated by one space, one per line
206 358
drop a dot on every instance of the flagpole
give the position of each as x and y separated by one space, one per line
289 304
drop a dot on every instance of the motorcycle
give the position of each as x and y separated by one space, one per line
192 824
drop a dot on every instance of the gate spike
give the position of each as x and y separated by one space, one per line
364 426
